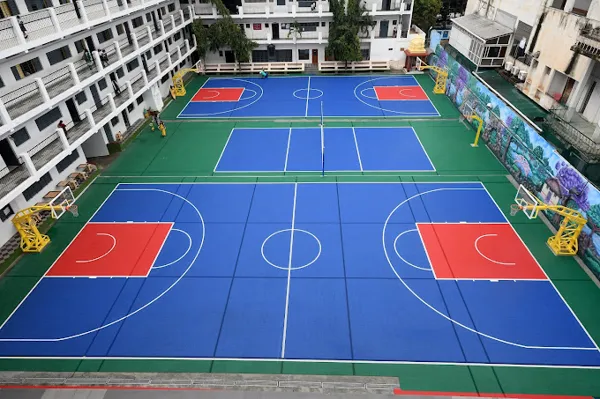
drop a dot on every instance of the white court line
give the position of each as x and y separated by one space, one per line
404 260
424 150
357 150
223 150
289 274
190 100
307 99
476 243
182 256
542 269
114 244
442 314
287 151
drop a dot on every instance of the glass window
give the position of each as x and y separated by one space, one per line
58 55
158 49
102 84
48 118
136 22
20 136
26 68
80 46
36 187
6 212
303 54
131 66
120 29
130 108
114 120
105 35
81 98
139 100
68 160
171 7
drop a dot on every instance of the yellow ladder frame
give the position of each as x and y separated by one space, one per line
179 88
440 80
25 223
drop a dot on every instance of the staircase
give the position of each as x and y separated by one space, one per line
311 68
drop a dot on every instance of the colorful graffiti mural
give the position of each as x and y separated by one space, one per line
530 159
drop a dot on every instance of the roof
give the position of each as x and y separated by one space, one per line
482 27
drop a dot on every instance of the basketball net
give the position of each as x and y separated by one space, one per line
514 209
74 209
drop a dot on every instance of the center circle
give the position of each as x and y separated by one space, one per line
307 96
262 249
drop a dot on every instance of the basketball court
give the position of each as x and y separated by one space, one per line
304 96
341 272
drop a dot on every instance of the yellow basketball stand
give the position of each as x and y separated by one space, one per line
440 79
478 119
26 220
564 242
178 88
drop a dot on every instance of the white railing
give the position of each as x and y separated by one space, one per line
340 66
255 67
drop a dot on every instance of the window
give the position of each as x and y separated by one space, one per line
130 108
80 46
131 66
157 49
164 78
20 136
171 7
114 121
137 22
81 98
309 26
6 212
48 118
36 187
120 29
182 64
149 17
1 83
177 36
26 68
148 54
365 53
105 35
139 100
248 26
169 41
323 24
58 55
68 160
283 55
303 54
120 73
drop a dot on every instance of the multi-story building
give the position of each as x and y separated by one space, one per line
298 30
552 49
95 65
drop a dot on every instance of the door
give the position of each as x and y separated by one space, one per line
383 28
108 133
155 21
7 154
386 5
275 31
73 112
125 118
229 57
567 90
95 94
593 105
90 43
128 32
315 56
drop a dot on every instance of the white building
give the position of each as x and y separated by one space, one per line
45 78
268 23
552 48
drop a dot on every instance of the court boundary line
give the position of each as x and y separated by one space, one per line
357 150
311 360
276 359
289 275
400 91
216 89
544 271
190 100
416 136
273 176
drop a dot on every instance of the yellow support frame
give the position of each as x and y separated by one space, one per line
441 78
178 87
478 119
25 223
564 242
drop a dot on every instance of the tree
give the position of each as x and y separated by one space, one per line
295 30
425 13
223 33
348 22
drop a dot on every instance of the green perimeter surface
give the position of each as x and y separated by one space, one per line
189 154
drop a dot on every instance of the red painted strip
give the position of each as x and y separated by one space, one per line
218 94
400 93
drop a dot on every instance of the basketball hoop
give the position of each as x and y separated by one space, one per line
74 209
514 209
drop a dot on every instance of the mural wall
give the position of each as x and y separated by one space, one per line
531 160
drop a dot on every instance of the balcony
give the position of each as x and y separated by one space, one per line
54 23
588 40
21 104
46 154
574 131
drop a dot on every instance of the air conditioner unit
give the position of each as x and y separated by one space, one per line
514 70
508 66
522 75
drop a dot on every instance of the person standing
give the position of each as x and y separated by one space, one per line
22 26
62 125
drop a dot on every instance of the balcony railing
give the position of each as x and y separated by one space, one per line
48 21
164 63
45 150
138 83
11 178
33 93
574 131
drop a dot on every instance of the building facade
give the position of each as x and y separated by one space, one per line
298 30
73 77
552 55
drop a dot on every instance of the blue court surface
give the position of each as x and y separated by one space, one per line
300 271
301 96
346 149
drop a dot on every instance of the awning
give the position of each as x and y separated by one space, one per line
481 27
